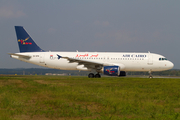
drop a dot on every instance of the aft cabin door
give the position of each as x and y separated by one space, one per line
41 58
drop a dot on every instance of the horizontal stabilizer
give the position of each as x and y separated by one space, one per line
21 56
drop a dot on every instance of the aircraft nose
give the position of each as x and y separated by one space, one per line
170 65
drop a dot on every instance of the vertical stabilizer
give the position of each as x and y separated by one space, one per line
25 42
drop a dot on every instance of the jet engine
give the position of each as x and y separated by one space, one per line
113 71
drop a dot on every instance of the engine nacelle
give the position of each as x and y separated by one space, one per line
113 71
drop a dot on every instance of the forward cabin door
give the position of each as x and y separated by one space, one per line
150 59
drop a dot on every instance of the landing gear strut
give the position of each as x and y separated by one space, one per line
91 75
150 75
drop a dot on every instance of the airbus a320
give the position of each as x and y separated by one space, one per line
107 63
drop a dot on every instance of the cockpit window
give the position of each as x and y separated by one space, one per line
162 59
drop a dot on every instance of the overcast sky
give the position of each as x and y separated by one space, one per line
92 25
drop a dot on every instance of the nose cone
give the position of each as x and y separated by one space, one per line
170 65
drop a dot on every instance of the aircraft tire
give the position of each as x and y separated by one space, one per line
150 77
97 76
91 75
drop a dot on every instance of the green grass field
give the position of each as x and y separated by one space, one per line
107 98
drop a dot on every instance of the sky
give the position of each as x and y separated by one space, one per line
92 25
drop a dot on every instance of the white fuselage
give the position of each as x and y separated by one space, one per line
126 61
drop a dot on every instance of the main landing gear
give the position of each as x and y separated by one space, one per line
150 75
91 75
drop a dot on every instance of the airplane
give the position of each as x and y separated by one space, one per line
107 63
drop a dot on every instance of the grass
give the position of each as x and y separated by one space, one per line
108 98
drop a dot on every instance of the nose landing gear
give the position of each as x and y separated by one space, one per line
150 75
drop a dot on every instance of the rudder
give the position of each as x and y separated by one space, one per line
25 42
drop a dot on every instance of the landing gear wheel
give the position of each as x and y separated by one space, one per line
91 75
150 77
98 76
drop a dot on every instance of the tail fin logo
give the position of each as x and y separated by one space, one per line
23 42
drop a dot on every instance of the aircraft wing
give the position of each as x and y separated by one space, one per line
87 63
20 56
